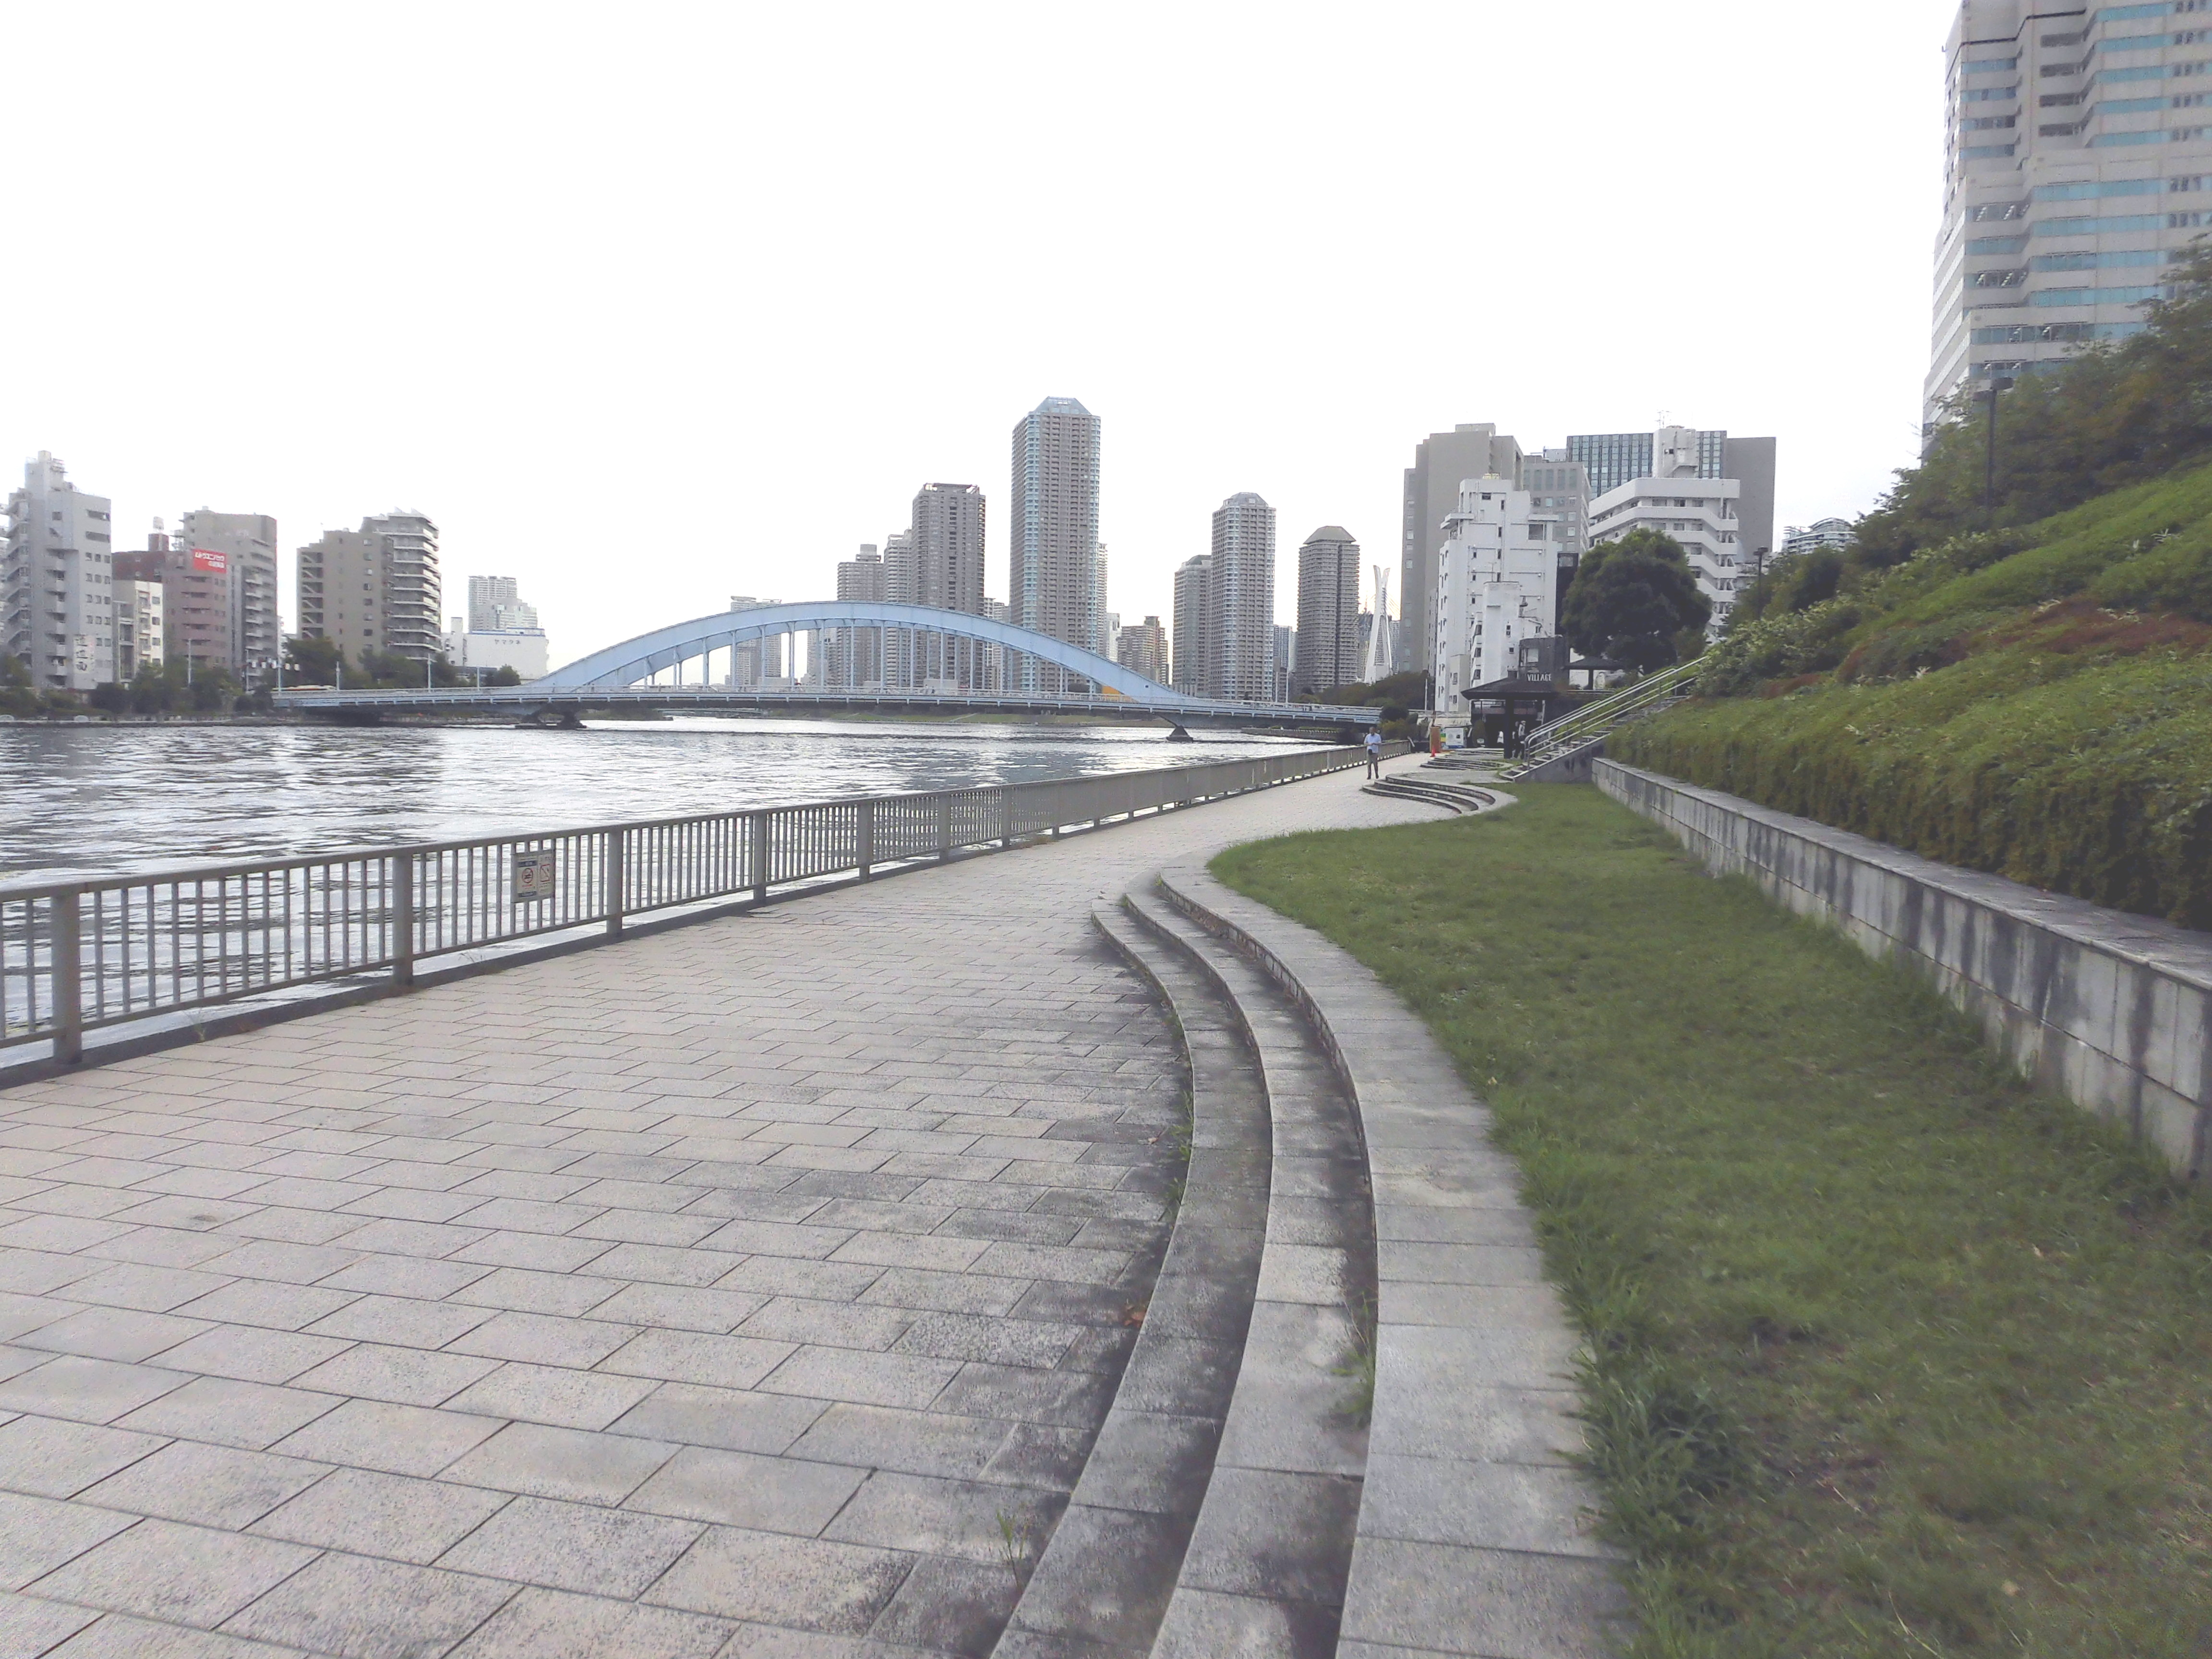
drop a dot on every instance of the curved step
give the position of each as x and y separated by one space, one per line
1104 1581
1457 797
1267 1564
1474 1533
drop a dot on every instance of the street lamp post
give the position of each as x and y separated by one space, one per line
1997 383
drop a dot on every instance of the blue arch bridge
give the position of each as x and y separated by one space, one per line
856 650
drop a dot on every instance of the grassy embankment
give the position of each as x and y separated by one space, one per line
2035 702
1891 1356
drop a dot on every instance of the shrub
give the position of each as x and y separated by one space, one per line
2086 771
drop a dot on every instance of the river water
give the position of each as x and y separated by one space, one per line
95 799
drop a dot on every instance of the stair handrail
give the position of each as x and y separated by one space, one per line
1648 689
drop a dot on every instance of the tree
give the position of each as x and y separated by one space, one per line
313 658
113 697
2117 412
19 693
507 675
1630 598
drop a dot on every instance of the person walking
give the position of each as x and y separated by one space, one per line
1374 754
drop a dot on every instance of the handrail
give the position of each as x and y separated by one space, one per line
1665 679
1593 720
76 955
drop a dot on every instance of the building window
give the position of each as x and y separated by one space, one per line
2086 189
2096 261
2118 224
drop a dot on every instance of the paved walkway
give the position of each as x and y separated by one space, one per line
753 1290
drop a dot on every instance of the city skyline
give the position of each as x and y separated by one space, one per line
770 320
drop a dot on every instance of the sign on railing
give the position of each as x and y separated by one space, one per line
75 956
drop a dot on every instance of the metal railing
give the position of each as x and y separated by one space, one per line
1594 720
75 956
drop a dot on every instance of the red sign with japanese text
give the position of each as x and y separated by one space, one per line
207 559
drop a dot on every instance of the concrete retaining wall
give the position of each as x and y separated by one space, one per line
2111 1009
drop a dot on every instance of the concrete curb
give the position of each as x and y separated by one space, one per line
1474 1533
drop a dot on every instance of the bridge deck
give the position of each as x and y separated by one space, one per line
735 1283
525 699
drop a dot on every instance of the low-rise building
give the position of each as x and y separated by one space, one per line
1496 579
500 631
139 624
523 649
1703 514
1822 532
374 589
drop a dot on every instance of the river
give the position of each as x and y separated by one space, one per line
96 800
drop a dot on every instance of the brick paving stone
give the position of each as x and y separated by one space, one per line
812 1226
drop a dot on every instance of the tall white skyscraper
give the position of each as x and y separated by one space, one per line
1243 575
58 580
1197 627
1052 579
1328 611
938 561
2077 167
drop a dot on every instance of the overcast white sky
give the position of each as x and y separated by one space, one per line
651 304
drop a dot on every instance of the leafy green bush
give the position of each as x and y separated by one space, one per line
1792 643
2076 758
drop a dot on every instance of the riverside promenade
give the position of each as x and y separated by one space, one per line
755 1288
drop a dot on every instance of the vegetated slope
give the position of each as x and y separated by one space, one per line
2034 700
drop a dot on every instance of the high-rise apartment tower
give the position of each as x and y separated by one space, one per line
939 563
2077 168
1052 579
1197 626
1329 611
1243 575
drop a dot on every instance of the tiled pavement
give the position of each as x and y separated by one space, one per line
738 1290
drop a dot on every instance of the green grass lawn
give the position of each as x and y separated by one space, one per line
1890 1355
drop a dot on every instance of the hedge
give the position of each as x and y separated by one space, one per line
2076 757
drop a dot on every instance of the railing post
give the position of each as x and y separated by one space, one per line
402 920
944 828
864 836
762 818
617 879
1005 815
68 965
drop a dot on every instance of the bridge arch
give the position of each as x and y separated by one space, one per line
639 658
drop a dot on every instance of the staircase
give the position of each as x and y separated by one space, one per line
1435 791
1574 735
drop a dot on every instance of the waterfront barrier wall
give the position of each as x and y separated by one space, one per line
2111 1009
78 956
